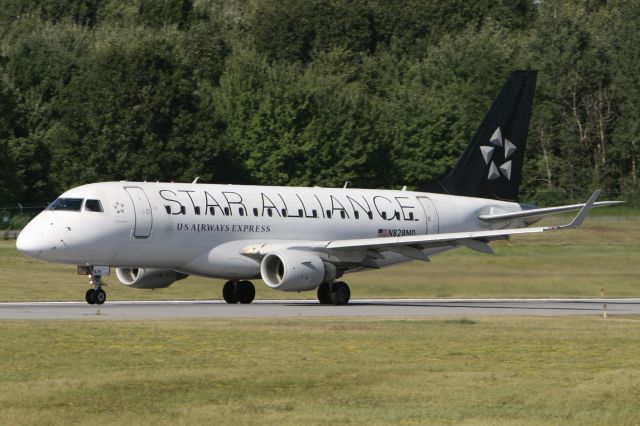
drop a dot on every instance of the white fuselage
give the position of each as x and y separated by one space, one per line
201 229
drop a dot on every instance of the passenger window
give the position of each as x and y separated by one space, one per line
93 206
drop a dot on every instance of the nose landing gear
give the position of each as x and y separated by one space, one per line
96 296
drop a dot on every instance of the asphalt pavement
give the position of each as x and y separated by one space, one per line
143 310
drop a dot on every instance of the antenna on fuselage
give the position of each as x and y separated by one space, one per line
346 184
196 179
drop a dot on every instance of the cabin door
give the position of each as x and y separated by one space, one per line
142 209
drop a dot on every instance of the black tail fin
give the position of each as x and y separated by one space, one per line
491 166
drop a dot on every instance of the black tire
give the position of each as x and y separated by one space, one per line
246 292
90 296
100 296
230 292
340 293
324 294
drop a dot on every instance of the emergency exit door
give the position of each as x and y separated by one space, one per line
142 209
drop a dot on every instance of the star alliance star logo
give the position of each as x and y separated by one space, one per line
488 152
118 207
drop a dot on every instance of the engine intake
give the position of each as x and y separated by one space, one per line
148 277
291 270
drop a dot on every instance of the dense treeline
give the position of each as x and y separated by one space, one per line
309 92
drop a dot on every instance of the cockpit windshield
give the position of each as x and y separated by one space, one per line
93 206
68 204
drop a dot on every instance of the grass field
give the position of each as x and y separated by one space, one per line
604 254
499 371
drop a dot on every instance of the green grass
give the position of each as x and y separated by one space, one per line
604 254
499 371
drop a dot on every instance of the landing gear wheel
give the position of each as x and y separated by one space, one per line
99 296
246 292
90 296
95 295
230 292
324 294
340 293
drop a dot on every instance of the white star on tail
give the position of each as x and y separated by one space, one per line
487 152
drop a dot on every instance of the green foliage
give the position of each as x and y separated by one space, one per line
159 13
19 221
79 12
293 29
309 92
626 90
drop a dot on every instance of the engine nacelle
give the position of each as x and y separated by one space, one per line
148 277
292 270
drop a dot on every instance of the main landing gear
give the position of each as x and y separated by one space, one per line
336 293
238 292
96 296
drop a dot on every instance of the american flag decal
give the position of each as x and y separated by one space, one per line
383 233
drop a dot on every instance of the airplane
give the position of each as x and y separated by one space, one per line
297 238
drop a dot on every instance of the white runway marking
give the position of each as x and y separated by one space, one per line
135 310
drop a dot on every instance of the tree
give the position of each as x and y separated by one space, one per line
11 127
563 128
438 103
625 18
128 114
310 92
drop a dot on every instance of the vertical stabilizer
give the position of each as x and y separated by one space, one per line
491 166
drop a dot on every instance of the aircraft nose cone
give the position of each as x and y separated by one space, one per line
27 243
33 241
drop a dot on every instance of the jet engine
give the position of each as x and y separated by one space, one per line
148 277
291 270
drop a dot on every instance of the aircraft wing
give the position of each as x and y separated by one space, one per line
411 246
541 212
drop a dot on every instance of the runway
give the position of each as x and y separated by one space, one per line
390 308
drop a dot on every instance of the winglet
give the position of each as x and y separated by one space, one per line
584 211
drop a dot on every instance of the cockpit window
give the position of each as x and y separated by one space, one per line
68 204
93 206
